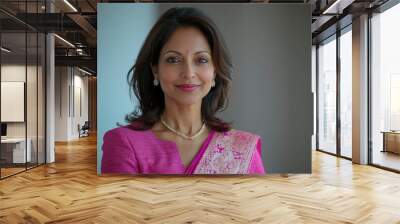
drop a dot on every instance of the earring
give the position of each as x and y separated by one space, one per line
156 82
213 83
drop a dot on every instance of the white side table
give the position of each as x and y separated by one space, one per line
18 144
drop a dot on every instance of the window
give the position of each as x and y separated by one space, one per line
385 88
346 93
327 95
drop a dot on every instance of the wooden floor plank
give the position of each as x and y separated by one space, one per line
70 191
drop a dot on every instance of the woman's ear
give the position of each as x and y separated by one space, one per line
154 70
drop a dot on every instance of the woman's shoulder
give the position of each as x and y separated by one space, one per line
126 131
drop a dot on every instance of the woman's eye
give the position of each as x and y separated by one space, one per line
203 60
172 60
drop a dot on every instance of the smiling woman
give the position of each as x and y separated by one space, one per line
181 79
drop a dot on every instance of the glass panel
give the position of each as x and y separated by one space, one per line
327 96
23 88
313 87
13 87
386 89
31 100
346 93
41 98
395 101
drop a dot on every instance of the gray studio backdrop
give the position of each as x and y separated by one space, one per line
270 45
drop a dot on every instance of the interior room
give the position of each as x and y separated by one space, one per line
49 126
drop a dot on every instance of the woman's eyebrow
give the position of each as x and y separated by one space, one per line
199 52
171 51
177 52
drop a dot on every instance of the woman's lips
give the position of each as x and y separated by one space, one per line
188 87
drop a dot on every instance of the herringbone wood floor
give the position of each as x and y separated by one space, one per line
70 191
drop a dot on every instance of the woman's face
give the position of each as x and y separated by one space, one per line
185 69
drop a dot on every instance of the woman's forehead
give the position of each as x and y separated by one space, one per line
188 40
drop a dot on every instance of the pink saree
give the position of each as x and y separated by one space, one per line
141 152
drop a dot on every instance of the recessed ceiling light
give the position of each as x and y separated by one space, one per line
86 72
331 7
70 5
64 40
5 50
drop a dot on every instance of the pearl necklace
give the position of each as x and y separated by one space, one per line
187 137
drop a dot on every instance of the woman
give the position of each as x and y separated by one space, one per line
181 79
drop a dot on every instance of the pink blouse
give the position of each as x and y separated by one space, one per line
141 152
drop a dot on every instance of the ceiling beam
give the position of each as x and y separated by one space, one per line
86 26
83 61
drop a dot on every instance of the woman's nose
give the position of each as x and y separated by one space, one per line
188 70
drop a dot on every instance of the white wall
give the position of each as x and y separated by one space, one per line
79 117
12 73
62 80
12 100
70 83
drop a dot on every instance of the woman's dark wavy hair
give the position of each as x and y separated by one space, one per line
140 76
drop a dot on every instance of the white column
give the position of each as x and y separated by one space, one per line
360 90
50 92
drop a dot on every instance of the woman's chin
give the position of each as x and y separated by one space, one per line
186 100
